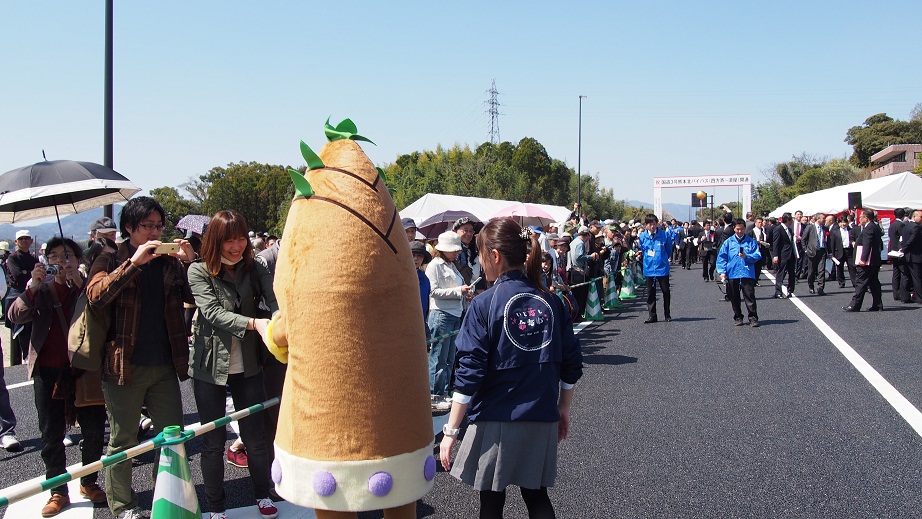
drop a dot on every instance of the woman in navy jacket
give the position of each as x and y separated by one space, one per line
518 361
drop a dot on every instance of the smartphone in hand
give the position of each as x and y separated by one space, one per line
167 248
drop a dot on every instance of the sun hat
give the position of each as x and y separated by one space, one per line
449 241
5 246
418 247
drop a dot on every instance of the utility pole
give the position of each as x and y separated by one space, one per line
494 113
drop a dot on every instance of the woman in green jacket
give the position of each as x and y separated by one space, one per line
226 351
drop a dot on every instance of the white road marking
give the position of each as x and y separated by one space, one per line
21 384
902 406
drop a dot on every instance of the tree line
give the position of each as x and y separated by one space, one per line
523 171
805 174
504 171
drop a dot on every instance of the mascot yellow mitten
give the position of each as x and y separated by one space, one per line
355 426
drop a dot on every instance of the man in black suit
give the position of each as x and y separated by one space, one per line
840 250
867 257
894 233
784 255
814 242
708 255
912 253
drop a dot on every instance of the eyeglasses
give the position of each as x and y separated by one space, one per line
151 227
60 257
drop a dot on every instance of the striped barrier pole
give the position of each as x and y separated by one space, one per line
21 491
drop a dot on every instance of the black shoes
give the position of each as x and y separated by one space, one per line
779 296
668 319
876 308
650 321
850 308
820 292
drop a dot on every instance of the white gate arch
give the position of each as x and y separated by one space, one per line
701 181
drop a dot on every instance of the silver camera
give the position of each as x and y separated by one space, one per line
52 270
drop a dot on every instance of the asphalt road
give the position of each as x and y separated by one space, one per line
695 418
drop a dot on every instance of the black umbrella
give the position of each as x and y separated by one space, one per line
440 222
60 187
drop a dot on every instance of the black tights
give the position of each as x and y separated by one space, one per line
536 500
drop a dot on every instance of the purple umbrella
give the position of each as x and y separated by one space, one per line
193 222
438 223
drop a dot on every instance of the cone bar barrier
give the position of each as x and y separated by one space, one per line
593 305
611 295
627 288
174 493
21 491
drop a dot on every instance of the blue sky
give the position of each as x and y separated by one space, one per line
674 88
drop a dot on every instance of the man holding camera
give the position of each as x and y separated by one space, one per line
145 291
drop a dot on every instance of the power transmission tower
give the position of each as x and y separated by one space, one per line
494 113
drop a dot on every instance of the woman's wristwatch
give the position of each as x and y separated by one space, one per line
448 431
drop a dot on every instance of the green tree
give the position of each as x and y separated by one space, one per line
878 132
176 207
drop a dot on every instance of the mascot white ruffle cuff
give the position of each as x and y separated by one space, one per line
355 426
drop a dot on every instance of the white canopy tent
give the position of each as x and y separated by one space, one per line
431 203
881 194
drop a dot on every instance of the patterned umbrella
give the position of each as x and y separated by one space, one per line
193 222
438 223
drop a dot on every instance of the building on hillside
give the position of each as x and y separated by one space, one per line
894 159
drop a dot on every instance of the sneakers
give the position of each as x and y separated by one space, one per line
754 323
93 493
267 508
146 423
439 403
739 322
218 515
54 506
10 443
237 458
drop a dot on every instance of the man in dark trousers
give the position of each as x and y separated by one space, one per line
784 255
840 250
894 233
708 243
912 253
814 242
867 257
19 266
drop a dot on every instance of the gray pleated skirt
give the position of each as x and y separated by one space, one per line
494 455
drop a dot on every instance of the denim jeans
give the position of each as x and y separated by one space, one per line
209 399
51 424
442 353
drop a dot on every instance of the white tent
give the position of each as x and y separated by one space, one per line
882 194
431 203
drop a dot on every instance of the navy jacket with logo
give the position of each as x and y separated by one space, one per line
515 347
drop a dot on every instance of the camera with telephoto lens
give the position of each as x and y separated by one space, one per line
52 270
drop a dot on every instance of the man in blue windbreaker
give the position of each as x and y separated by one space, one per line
655 246
736 262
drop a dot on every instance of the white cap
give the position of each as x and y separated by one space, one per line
22 233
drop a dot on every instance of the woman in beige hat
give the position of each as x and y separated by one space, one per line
446 303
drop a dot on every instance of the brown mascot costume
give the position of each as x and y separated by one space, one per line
355 426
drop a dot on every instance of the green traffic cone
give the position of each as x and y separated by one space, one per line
611 295
593 305
627 287
174 494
